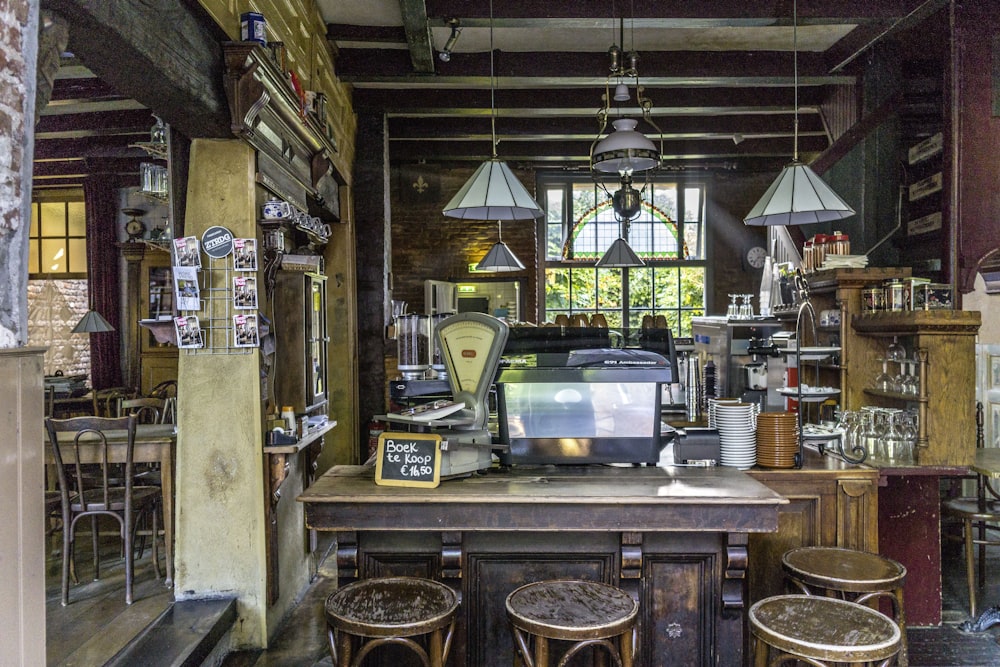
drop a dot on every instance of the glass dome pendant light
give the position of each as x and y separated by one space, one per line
798 196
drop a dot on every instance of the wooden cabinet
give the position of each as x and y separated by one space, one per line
944 338
829 504
149 296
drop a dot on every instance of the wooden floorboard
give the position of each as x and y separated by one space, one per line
98 623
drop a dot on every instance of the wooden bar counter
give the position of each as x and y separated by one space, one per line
674 538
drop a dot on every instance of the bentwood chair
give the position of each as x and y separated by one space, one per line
980 522
147 410
83 450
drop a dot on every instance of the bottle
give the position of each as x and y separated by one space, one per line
288 415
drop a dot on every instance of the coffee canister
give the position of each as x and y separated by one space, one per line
872 299
895 295
253 28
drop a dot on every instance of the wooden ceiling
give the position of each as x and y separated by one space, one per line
720 75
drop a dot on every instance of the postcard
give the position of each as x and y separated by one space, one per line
245 330
186 292
188 331
245 292
187 252
245 254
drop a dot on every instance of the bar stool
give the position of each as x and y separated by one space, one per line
857 576
587 613
391 610
821 631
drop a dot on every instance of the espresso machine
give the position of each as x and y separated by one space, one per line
742 358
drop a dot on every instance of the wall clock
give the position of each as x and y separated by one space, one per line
755 256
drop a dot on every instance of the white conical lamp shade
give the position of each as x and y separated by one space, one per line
500 258
92 322
625 149
798 197
619 255
493 193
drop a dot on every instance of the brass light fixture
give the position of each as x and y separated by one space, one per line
494 193
798 196
624 151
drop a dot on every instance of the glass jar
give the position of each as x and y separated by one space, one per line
413 342
895 295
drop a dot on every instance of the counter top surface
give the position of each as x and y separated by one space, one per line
548 498
554 484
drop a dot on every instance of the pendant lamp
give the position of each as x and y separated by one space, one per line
92 322
626 203
798 196
494 193
500 258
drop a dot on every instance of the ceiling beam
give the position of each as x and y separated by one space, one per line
163 53
418 35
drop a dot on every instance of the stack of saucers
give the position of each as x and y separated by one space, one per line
777 439
737 441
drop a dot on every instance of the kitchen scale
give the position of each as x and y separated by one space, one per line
471 345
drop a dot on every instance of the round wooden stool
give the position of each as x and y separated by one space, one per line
821 631
587 613
857 576
391 610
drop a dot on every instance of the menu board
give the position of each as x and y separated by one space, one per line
408 459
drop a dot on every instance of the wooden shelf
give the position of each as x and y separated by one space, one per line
918 321
895 395
302 443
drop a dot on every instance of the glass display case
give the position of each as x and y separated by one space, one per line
301 340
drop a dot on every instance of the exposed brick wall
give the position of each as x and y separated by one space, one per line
54 308
427 245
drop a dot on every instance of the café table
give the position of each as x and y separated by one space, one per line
154 443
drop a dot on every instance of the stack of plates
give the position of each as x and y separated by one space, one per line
777 439
737 440
712 403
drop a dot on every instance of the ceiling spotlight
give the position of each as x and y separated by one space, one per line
445 53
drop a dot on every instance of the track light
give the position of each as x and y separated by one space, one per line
445 53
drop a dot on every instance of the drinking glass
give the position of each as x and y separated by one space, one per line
895 352
884 381
733 311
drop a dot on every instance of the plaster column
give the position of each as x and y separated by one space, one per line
22 522
221 538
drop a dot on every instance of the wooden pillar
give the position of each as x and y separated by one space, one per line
371 176
220 485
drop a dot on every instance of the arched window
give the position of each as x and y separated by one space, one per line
668 234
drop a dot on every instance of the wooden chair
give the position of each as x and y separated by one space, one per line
112 492
979 518
107 402
147 410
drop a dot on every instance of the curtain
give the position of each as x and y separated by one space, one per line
101 198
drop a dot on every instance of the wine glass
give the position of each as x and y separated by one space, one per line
895 352
884 381
733 311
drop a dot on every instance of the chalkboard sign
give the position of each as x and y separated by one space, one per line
408 459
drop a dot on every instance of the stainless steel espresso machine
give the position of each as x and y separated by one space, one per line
744 360
567 396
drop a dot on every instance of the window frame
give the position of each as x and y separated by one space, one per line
36 237
548 181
